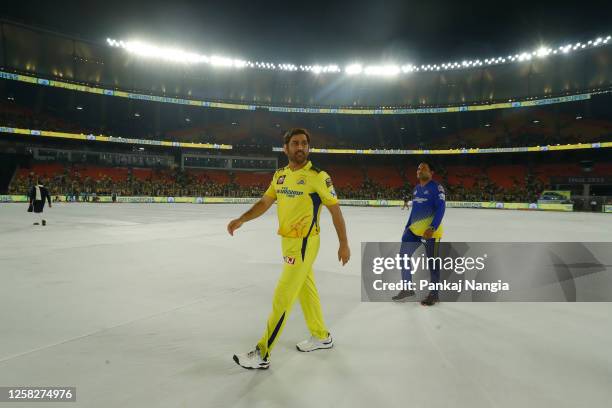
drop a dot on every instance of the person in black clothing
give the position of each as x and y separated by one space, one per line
38 195
406 199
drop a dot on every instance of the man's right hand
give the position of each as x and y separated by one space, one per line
234 225
255 211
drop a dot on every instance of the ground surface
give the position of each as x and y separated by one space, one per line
143 305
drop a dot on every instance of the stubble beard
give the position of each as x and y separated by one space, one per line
299 158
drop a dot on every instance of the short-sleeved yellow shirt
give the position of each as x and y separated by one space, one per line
299 195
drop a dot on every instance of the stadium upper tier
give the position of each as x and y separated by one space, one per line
27 106
53 56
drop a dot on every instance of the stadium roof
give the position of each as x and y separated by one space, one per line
306 32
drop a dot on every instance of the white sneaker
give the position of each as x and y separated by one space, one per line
252 359
314 343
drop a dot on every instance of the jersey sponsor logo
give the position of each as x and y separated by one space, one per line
328 182
280 180
289 193
289 260
419 199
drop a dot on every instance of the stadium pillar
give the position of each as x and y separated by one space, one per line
379 131
40 98
103 112
557 125
587 109
157 118
459 122
72 96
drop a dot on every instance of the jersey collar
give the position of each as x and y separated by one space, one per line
425 185
306 167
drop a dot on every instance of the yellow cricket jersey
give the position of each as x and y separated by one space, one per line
299 195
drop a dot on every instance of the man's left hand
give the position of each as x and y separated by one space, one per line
344 254
428 233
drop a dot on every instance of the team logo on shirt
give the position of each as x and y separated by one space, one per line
426 192
442 196
280 180
289 260
301 181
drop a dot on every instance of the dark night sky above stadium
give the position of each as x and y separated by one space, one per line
309 32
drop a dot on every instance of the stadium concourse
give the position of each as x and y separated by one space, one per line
143 305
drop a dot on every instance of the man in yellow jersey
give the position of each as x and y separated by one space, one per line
299 189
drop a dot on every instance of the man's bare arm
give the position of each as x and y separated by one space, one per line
344 253
255 211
